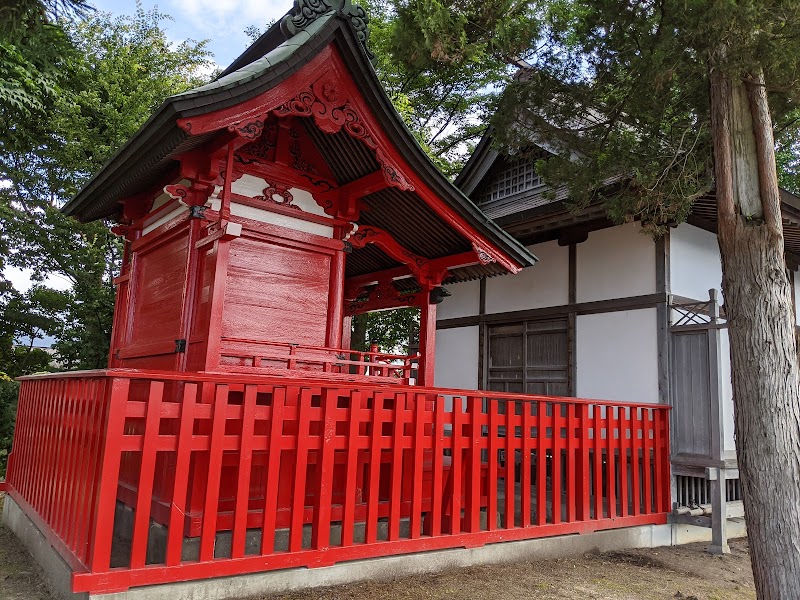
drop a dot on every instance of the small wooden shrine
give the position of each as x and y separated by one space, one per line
265 209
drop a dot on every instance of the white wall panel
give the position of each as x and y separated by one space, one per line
544 284
797 297
694 262
457 358
463 302
729 445
617 356
615 263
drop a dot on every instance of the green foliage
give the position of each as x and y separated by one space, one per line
619 90
446 94
391 329
9 390
114 74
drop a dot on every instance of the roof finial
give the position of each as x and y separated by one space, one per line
307 11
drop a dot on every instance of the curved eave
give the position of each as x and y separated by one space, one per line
160 135
479 163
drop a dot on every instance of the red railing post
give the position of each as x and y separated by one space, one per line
182 462
106 500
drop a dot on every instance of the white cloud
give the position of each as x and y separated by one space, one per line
223 22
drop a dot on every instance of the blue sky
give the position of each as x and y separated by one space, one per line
222 22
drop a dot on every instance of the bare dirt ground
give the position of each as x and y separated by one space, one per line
678 573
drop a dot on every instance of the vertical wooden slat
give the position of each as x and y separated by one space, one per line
665 459
273 470
573 414
542 445
321 527
103 526
510 471
208 534
182 462
473 508
438 459
611 445
636 444
395 488
555 476
66 441
238 537
348 520
659 490
456 466
300 471
144 491
525 476
598 461
624 444
53 449
647 428
371 526
585 465
75 462
418 471
91 477
493 473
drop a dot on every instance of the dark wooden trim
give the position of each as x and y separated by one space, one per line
662 248
573 274
794 299
572 319
582 308
483 343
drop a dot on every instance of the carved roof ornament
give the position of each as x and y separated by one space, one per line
305 12
483 255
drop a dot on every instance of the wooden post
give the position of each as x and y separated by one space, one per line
336 301
719 537
427 339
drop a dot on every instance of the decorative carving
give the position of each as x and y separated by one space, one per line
305 12
262 149
307 170
278 190
483 255
177 192
332 112
250 130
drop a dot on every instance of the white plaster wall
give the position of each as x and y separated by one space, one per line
617 356
457 358
729 445
615 263
544 284
694 262
797 297
464 301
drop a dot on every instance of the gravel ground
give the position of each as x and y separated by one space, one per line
677 573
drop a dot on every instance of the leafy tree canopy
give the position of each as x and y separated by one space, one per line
110 75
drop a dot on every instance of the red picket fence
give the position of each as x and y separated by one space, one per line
140 478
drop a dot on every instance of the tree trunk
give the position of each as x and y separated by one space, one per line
761 326
358 339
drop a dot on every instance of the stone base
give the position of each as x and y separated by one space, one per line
287 580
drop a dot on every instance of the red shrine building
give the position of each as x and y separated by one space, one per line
235 431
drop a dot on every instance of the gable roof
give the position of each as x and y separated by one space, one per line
151 153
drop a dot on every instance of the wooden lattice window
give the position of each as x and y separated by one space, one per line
517 177
531 357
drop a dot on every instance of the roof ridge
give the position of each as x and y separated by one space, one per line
305 12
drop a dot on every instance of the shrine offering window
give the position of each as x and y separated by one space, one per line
519 176
531 357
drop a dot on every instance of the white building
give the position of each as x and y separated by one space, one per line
597 316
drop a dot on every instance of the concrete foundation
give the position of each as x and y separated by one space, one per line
271 582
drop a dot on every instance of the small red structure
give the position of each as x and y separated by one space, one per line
235 430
